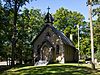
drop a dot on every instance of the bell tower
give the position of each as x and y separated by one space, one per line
48 18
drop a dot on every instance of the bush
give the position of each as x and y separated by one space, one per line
97 55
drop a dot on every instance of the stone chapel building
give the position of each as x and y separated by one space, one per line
52 45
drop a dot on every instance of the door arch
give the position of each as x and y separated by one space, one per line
47 50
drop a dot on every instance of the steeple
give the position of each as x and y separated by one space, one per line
48 18
48 8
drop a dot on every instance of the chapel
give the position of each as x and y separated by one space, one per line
52 45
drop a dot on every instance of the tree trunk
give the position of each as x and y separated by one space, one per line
91 33
14 34
20 58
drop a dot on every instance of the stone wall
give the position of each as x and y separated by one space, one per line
53 38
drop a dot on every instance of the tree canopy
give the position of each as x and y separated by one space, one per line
67 21
25 26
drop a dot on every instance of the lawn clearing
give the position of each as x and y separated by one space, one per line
53 69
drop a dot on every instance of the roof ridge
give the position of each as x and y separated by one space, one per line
65 37
57 32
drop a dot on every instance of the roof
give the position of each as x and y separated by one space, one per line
65 39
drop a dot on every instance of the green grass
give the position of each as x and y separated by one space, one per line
53 69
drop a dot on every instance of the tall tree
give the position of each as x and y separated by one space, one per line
85 41
96 2
29 23
5 32
14 5
96 12
67 21
90 3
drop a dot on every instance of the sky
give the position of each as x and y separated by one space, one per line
73 5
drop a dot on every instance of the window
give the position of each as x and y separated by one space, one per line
38 50
57 49
48 34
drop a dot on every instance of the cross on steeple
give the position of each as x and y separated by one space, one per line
48 8
48 18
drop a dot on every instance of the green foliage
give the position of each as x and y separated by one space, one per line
96 2
97 40
97 54
67 21
96 12
29 24
4 33
85 47
13 6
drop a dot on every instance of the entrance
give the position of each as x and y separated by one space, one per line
46 53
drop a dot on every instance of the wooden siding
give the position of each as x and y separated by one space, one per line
70 55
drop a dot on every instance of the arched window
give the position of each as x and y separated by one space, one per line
48 34
38 50
57 49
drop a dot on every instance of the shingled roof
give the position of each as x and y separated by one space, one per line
65 39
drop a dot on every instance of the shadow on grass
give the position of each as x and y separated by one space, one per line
98 70
4 67
51 70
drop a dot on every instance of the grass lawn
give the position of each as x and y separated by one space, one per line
53 69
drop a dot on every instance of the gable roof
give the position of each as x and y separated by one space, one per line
65 39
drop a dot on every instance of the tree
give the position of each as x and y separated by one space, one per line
96 12
85 41
90 3
29 25
96 2
14 5
67 21
5 32
1 30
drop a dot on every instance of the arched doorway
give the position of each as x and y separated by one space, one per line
45 53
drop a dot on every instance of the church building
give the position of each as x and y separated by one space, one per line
52 45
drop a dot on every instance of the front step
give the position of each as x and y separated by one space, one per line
41 63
